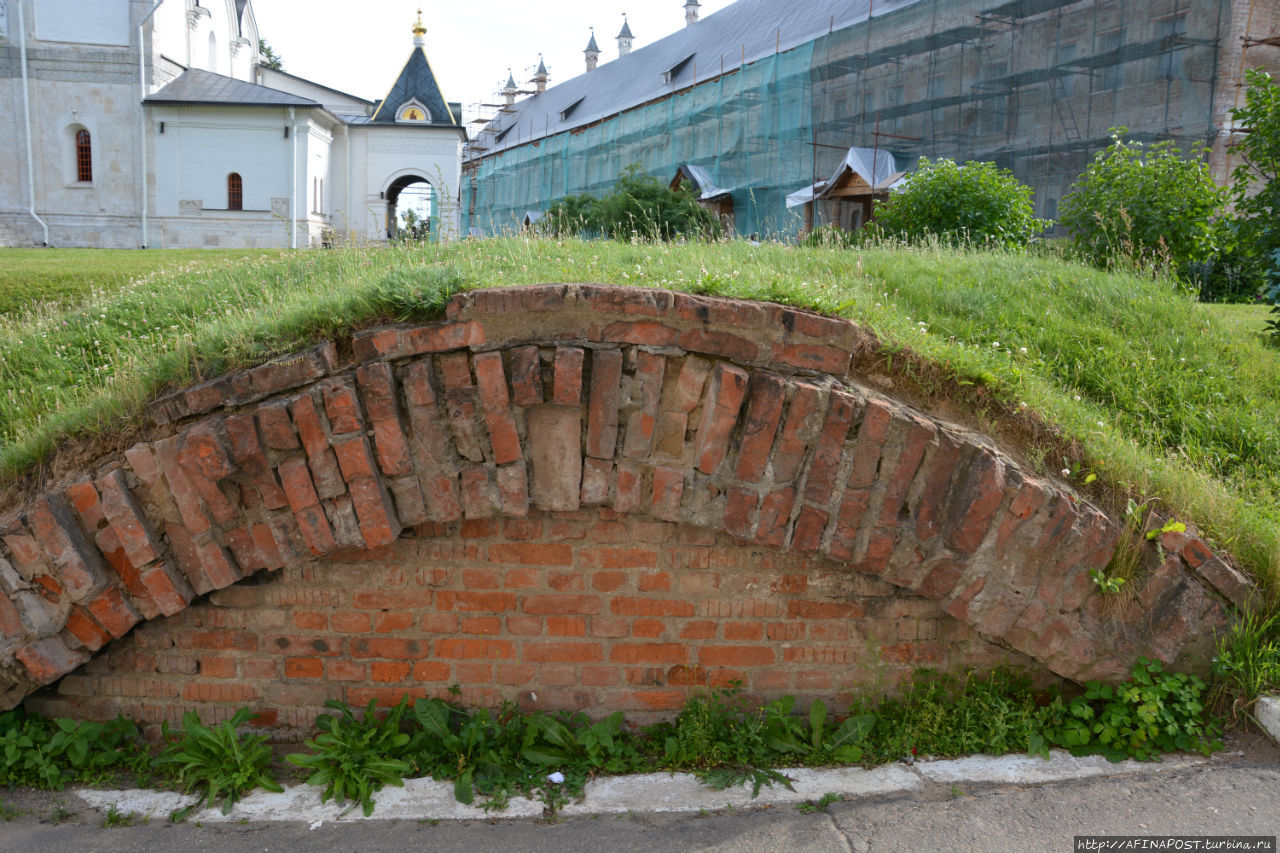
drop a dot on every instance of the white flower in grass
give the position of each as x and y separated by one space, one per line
556 778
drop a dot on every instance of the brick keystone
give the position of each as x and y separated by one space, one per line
568 376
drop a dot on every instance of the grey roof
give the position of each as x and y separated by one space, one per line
877 167
753 28
511 80
625 33
194 86
591 45
542 66
416 82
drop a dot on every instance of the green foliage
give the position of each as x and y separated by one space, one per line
1255 183
638 206
1143 206
943 716
271 59
354 758
1273 296
1152 713
975 203
48 754
220 760
1107 584
1247 664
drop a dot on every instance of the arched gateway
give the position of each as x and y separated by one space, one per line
572 496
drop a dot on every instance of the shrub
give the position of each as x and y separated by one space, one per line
48 753
638 205
1255 183
1143 205
974 203
352 758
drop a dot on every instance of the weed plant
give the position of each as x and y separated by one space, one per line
1247 665
50 754
219 760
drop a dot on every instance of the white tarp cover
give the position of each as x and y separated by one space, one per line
707 189
879 168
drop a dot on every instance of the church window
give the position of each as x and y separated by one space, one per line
84 157
235 192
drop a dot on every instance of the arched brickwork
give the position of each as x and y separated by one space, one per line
584 401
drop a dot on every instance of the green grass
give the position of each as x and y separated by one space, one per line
66 276
1164 397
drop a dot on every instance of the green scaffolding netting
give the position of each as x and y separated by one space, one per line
1032 85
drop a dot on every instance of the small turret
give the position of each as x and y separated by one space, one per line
691 12
540 76
510 90
592 52
625 37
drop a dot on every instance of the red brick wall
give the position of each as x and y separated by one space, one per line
740 419
587 610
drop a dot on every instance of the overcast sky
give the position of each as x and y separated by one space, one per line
361 47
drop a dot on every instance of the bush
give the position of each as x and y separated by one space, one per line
1255 183
640 206
1142 205
974 203
220 760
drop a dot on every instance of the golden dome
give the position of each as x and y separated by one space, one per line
419 29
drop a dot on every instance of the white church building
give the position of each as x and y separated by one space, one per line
136 123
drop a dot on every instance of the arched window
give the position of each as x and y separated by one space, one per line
235 192
84 157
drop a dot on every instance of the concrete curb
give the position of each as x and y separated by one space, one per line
426 799
1268 715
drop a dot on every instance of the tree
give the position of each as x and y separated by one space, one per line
976 203
272 59
1146 204
1255 183
638 205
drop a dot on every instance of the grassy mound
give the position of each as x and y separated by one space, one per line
1157 395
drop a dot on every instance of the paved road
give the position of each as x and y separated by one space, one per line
1236 794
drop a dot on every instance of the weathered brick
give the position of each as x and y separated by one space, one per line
917 433
650 370
496 402
460 403
79 564
324 467
627 494
668 488
378 523
869 444
305 504
277 427
242 546
764 411
411 507
480 497
775 517
596 474
827 359
86 631
526 376
84 497
341 405
740 512
341 513
49 658
811 523
513 490
167 588
202 451
567 387
605 398
720 344
217 565
248 454
130 525
724 396
803 423
113 612
974 505
641 332
440 338
821 483
555 456
282 374
943 460
377 387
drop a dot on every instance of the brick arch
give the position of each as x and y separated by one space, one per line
740 418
